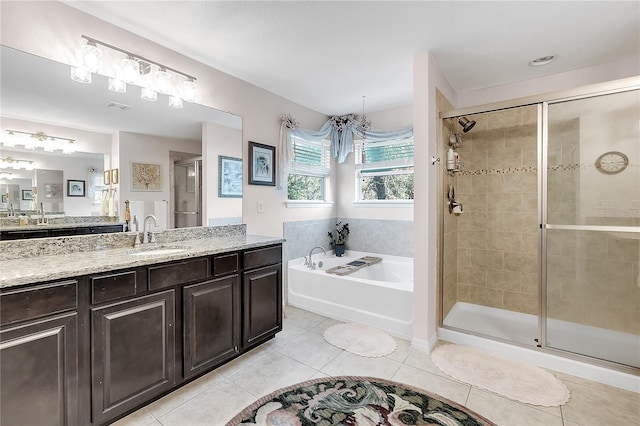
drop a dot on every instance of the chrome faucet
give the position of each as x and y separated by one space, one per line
309 262
148 236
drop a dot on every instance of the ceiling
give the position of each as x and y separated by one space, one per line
326 55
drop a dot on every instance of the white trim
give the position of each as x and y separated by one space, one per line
383 203
307 204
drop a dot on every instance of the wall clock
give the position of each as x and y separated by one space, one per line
612 162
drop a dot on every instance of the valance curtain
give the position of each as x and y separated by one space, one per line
340 129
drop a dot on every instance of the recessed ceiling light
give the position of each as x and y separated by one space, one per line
118 105
542 60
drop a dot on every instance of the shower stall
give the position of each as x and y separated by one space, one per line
187 193
540 229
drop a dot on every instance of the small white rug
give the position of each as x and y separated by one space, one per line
507 377
360 340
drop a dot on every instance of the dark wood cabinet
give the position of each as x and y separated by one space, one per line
90 349
262 303
132 353
39 372
66 231
211 323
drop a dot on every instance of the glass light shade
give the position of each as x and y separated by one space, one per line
163 82
81 75
149 94
117 85
68 148
10 140
91 57
188 90
27 165
50 145
130 69
175 102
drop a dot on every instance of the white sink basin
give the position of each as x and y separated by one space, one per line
160 251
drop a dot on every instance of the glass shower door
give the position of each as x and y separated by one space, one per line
591 231
187 194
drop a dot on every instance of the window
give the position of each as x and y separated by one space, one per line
307 173
384 170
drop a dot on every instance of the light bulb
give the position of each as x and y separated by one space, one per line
130 69
175 102
91 57
188 90
117 85
149 94
163 81
80 74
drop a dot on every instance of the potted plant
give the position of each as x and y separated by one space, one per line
340 238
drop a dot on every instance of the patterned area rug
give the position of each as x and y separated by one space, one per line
507 377
355 401
360 340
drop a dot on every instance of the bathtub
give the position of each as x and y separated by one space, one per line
523 329
380 295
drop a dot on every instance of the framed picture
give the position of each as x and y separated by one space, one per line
114 176
27 195
107 177
146 177
229 177
5 198
262 164
52 190
75 188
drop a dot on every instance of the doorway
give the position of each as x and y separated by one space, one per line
187 185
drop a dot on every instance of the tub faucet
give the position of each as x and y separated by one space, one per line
310 263
148 236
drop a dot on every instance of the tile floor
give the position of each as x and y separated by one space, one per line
300 353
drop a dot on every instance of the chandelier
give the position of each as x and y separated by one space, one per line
365 124
152 77
37 140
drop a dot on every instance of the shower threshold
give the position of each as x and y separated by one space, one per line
516 327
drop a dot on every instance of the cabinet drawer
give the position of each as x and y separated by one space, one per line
262 257
113 286
177 273
225 264
36 302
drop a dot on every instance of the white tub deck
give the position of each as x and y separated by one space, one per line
380 295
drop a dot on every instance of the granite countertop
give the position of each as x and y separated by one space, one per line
17 272
57 226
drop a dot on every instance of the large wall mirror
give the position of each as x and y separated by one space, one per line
116 131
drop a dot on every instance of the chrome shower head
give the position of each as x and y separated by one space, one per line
466 124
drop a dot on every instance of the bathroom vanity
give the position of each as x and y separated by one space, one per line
88 336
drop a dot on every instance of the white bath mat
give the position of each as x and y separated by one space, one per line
510 378
360 340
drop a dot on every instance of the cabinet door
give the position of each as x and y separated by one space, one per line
262 293
132 353
39 371
211 323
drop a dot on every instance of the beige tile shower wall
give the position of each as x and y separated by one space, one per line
449 244
497 235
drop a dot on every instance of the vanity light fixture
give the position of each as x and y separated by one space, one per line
6 175
12 163
38 140
135 69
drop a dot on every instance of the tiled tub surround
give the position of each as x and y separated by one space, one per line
27 261
392 237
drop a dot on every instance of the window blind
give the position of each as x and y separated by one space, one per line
310 158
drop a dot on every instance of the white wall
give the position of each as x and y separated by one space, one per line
218 140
